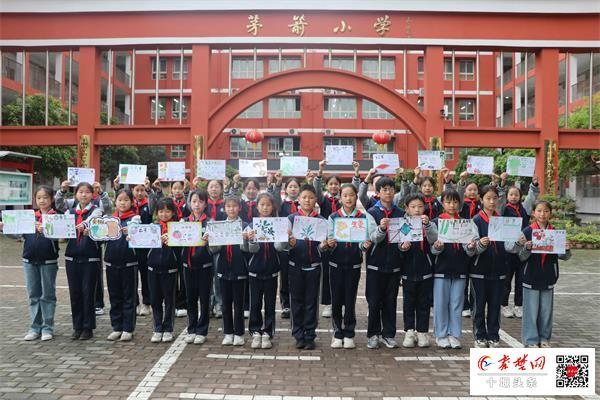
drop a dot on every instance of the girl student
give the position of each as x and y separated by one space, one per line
40 265
162 275
426 185
417 276
263 271
121 272
345 262
540 274
215 210
450 272
515 207
197 273
232 274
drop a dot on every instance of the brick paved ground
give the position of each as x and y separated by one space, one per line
63 369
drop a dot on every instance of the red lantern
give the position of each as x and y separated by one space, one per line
254 136
382 138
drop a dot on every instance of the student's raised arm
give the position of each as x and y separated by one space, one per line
532 195
60 202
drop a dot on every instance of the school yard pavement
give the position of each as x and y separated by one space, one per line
99 369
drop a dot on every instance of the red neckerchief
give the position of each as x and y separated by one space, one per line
215 204
79 219
126 215
514 207
485 217
472 206
138 204
333 200
312 214
250 204
388 214
341 214
293 205
535 225
450 216
266 252
95 196
164 228
192 251
179 204
429 201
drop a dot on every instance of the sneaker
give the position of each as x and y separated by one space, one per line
99 311
47 336
266 341
410 339
167 337
115 335
227 340
443 342
246 314
86 334
544 344
494 343
466 313
181 313
300 343
256 340
454 342
126 336
75 335
31 336
218 314
145 309
390 343
349 343
189 338
507 312
373 342
423 339
310 345
336 343
518 311
285 313
481 344
199 339
238 340
326 312
156 337
531 346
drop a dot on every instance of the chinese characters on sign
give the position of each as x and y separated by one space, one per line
253 25
298 25
382 25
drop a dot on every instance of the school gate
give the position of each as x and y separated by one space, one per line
194 77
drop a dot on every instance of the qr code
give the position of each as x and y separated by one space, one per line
572 371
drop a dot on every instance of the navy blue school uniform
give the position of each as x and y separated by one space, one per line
487 273
198 275
515 265
469 209
121 277
37 249
248 209
328 205
433 208
541 270
144 210
183 211
288 206
452 262
82 258
215 209
383 277
162 282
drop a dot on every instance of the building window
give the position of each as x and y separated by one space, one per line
448 69
339 108
369 147
283 147
466 110
449 153
287 63
339 142
243 68
448 108
254 111
240 148
163 68
420 68
162 108
175 108
176 64
373 111
178 151
591 186
466 70
420 104
347 64
284 107
370 68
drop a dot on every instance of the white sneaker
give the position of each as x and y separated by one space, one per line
443 342
99 311
454 342
466 313
145 309
373 342
493 343
409 338
47 336
116 335
422 339
246 314
31 336
181 313
126 336
481 344
167 337
238 340
349 343
507 312
189 338
531 346
266 341
389 342
227 340
156 337
544 344
336 343
326 312
256 340
199 339
518 311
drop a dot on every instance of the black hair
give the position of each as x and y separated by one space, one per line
84 184
251 180
428 178
231 199
414 196
268 196
293 179
349 185
174 182
517 189
166 203
307 187
383 182
218 182
450 194
201 193
127 192
337 178
48 190
542 203
486 189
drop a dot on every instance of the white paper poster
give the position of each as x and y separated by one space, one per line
309 228
185 234
78 175
405 229
212 169
171 171
386 163
351 229
253 168
144 236
520 166
339 155
132 174
505 229
105 228
430 160
549 241
480 165
455 230
294 166
59 226
17 222
272 230
222 233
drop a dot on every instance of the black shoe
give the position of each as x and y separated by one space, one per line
285 313
310 345
75 335
86 334
300 343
